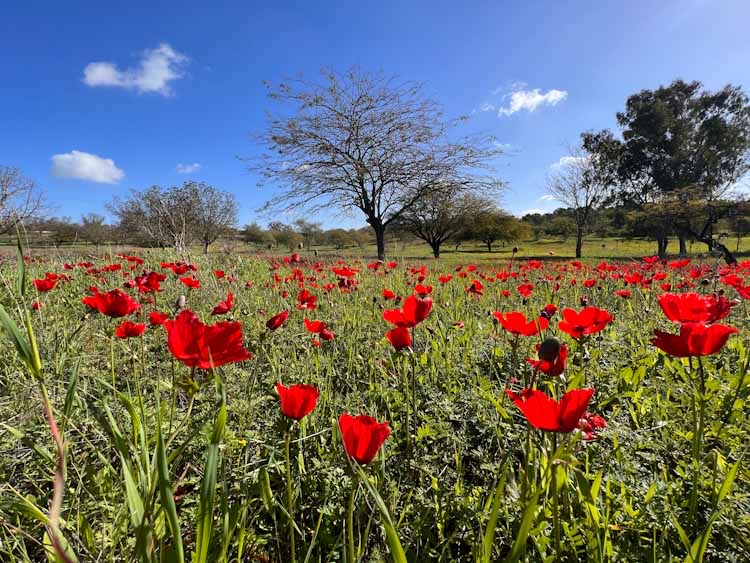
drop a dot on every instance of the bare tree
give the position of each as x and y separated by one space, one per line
177 216
161 216
214 212
578 184
365 141
20 198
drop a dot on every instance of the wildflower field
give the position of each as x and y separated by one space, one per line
284 409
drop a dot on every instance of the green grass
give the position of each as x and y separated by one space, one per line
154 451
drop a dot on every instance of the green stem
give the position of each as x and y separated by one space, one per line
698 426
112 361
290 496
555 506
407 403
350 521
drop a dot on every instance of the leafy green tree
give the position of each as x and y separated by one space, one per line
253 233
682 148
310 231
495 225
436 219
94 229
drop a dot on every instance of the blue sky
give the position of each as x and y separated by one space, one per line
100 97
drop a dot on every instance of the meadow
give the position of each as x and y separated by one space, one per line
482 407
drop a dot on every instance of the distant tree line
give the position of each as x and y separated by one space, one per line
628 224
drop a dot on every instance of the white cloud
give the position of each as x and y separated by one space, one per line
85 166
155 71
547 197
486 106
188 168
530 100
567 161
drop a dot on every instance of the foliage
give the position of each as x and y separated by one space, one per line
682 148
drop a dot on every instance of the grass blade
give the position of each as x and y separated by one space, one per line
167 496
208 488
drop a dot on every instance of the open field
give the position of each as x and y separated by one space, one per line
593 248
161 458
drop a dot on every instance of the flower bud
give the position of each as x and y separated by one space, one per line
549 349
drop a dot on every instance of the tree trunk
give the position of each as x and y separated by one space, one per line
205 247
714 245
683 245
379 229
489 245
435 249
579 242
662 241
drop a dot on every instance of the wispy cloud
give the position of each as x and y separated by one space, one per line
155 72
85 166
567 161
530 100
188 168
547 197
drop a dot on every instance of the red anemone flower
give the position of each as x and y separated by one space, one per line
414 311
306 300
314 326
191 282
115 303
695 339
552 365
157 318
297 401
589 320
399 337
476 288
624 293
590 423
199 345
388 294
45 284
544 413
694 308
362 436
225 306
129 329
422 290
516 323
549 310
277 320
319 328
